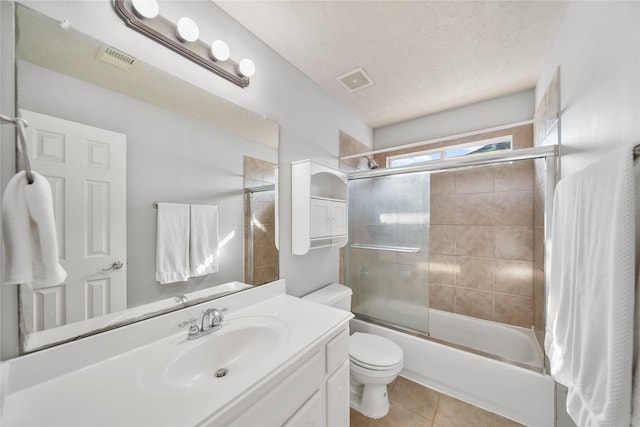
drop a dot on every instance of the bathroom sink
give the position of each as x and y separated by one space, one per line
242 347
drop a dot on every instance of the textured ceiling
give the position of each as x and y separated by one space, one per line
424 56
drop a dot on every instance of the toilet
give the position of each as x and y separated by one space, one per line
375 360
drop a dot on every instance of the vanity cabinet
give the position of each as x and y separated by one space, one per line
319 207
312 392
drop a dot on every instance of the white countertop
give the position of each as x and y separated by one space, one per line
111 391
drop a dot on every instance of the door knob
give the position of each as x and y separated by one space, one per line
117 265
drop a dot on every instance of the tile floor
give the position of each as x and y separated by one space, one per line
413 405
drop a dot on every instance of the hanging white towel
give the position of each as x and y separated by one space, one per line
204 240
29 229
590 308
172 243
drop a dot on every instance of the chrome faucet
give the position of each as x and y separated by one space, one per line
211 321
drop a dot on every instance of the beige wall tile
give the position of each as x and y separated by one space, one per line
513 208
443 209
441 297
538 205
474 303
442 239
474 209
474 180
443 184
538 286
476 273
514 243
514 176
477 241
538 248
523 137
443 269
514 277
513 310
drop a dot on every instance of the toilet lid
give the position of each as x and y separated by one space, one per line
374 350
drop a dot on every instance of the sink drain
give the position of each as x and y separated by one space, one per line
221 372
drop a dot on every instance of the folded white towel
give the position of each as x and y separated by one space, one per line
172 243
29 229
590 308
204 240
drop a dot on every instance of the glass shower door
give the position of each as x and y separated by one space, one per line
387 254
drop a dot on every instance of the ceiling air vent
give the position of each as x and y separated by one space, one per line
115 57
355 80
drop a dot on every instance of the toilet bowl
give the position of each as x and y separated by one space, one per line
375 361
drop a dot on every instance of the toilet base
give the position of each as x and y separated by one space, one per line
371 400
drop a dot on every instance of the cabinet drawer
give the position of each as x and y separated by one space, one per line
337 350
285 399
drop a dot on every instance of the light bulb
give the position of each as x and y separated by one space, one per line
187 30
219 50
148 9
246 67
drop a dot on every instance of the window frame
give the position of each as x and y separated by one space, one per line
443 151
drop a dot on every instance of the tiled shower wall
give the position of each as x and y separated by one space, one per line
545 132
481 254
265 255
481 245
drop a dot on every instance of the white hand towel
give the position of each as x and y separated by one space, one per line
590 308
172 243
30 233
204 239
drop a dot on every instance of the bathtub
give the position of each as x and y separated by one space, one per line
479 376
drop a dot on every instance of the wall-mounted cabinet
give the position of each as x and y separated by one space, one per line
318 207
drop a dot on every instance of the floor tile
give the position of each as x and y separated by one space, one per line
401 417
416 405
359 420
414 397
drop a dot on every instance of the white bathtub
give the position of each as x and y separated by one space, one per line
517 393
507 342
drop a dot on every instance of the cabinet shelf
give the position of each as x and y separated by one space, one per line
319 207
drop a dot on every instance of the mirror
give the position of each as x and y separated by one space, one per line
174 143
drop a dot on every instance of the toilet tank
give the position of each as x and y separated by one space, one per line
335 295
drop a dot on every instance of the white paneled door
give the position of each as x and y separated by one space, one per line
86 167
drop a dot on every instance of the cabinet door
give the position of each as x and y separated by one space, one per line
320 224
338 396
311 414
338 218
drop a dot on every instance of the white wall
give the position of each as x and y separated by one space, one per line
597 49
506 109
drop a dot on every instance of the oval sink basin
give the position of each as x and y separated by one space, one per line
241 347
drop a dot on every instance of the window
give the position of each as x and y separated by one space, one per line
442 153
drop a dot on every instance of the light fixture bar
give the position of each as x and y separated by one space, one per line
164 32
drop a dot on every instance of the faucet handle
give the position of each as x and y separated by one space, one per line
193 330
216 317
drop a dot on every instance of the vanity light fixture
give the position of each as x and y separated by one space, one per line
148 9
183 38
187 30
246 68
220 50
